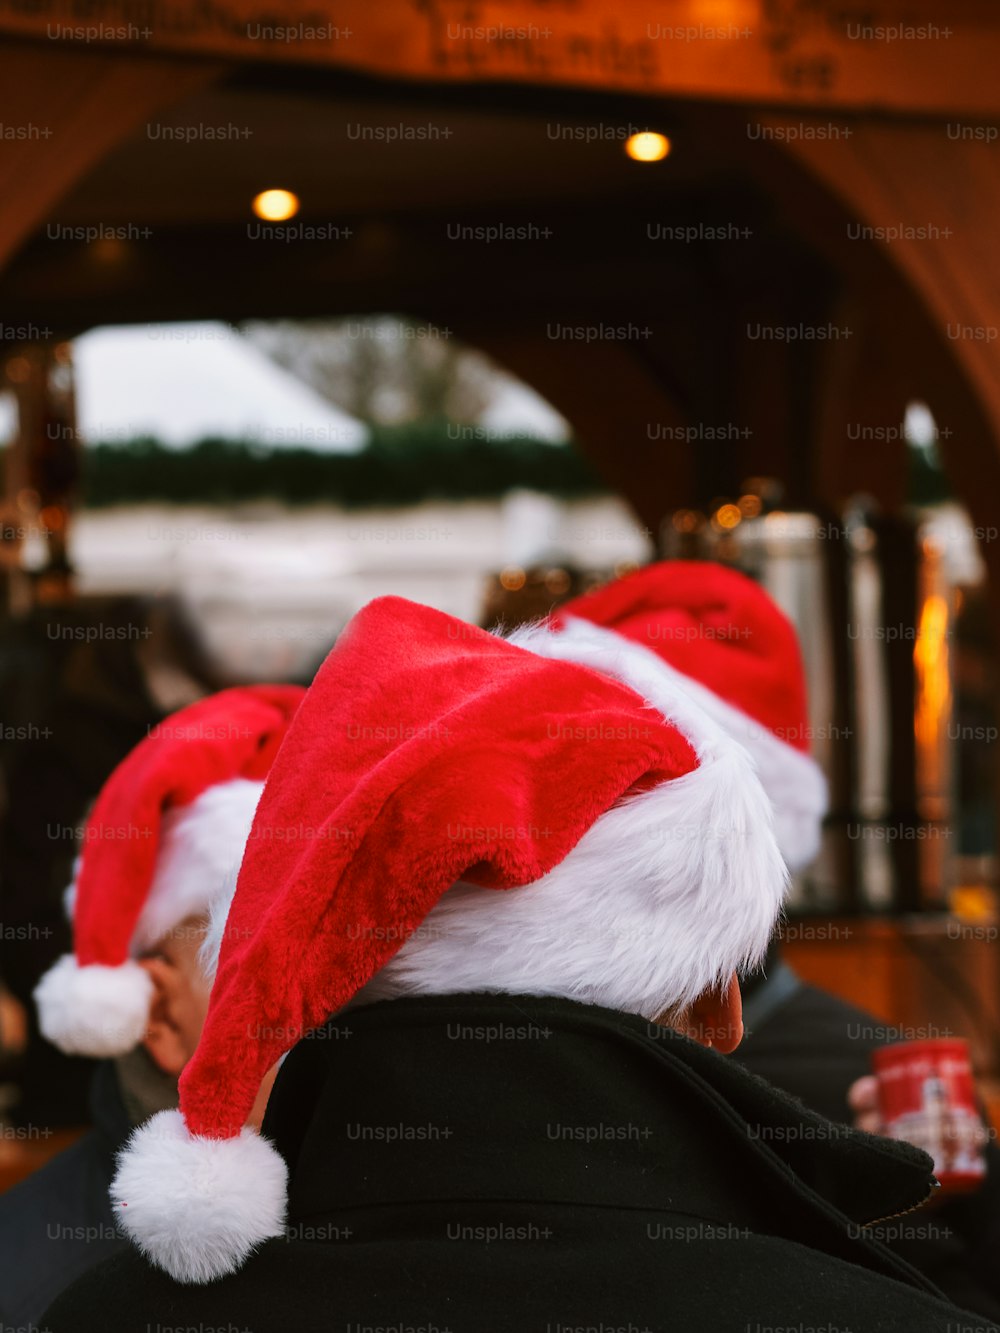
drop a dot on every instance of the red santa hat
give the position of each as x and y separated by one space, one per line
736 653
430 764
165 830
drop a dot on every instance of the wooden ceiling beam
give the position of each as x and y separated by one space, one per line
61 111
921 57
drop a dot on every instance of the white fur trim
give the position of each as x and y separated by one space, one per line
94 1010
794 782
198 846
197 1207
665 896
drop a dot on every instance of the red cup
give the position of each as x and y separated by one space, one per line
927 1097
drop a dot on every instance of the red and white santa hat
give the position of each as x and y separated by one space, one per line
432 767
735 651
168 825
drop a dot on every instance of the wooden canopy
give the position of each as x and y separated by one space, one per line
910 56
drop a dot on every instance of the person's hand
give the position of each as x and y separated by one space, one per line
862 1098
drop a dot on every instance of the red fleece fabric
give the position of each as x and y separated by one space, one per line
718 627
426 751
233 734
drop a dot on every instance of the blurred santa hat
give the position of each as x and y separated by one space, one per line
735 651
433 764
167 826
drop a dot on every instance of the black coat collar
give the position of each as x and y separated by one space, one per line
536 1098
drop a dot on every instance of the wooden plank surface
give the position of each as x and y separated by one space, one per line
919 57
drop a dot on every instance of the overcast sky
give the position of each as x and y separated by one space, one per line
181 382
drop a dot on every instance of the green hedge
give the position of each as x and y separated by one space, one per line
401 466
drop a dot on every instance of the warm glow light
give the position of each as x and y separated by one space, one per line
728 516
930 657
972 902
53 518
110 250
512 578
647 147
276 205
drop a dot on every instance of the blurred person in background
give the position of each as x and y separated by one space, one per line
725 638
514 595
81 683
168 827
496 964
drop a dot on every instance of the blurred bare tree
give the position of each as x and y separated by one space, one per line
382 369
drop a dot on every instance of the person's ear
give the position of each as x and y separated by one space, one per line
165 1040
716 1018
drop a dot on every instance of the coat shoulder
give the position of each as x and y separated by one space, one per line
780 1283
142 1297
749 1282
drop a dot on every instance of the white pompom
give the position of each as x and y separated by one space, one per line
195 1206
94 1010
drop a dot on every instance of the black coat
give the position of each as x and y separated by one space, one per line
484 1164
58 1223
814 1046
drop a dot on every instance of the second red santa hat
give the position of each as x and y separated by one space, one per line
733 649
166 828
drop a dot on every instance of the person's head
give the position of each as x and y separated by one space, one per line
158 850
433 765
